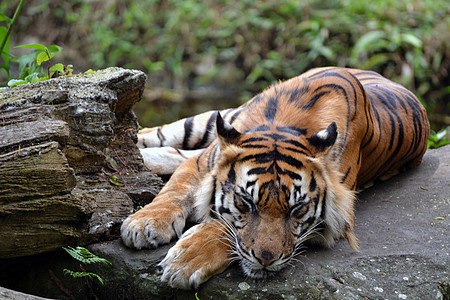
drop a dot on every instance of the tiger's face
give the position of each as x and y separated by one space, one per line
269 215
271 192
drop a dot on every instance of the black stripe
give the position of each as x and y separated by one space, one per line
258 171
179 153
161 136
205 139
275 136
212 200
324 204
250 184
235 115
212 156
292 130
312 183
273 156
297 93
232 174
259 128
252 140
314 99
187 132
271 109
292 174
297 144
344 178
253 146
223 210
198 161
295 150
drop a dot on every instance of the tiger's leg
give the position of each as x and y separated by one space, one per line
191 133
164 218
166 147
165 160
202 251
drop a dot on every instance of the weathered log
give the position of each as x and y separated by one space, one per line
63 143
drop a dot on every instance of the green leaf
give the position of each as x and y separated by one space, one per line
27 64
85 256
442 143
441 134
43 56
90 71
15 82
5 52
367 41
33 77
33 46
113 164
376 59
412 39
6 68
57 67
4 18
82 274
113 180
54 49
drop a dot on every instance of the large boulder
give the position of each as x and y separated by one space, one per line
402 226
63 143
403 230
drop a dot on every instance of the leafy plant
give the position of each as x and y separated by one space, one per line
5 33
85 257
241 46
439 139
30 66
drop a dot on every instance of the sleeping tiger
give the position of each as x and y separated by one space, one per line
283 168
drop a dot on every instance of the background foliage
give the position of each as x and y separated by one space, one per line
232 49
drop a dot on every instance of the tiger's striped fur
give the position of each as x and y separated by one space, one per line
274 172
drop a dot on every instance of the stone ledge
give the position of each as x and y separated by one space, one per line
57 145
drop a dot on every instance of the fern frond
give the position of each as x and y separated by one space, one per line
85 256
82 274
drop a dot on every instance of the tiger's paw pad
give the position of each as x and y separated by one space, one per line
146 229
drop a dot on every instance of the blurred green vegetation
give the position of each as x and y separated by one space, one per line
237 48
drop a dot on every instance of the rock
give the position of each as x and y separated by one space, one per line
402 225
403 230
61 142
10 294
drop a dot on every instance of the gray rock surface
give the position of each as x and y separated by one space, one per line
403 230
61 141
10 294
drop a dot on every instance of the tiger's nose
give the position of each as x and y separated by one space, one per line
266 258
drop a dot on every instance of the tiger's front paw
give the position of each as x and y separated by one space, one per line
200 253
152 226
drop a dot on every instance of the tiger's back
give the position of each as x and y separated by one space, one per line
383 128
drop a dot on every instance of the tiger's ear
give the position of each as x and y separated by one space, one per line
226 133
324 139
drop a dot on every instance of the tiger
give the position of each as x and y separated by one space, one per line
282 170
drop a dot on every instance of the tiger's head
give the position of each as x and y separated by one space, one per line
274 188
